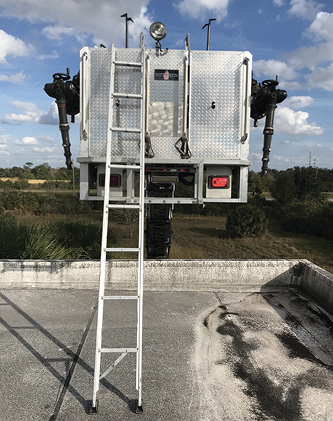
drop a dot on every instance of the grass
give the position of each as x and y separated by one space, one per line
197 237
194 237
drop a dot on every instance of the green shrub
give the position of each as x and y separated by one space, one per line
77 239
12 237
246 221
41 243
309 217
81 235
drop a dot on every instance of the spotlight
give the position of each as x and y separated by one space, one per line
158 31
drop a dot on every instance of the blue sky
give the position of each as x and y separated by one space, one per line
290 38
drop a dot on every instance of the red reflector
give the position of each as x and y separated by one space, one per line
216 182
114 180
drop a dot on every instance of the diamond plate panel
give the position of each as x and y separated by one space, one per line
128 79
165 119
126 113
100 62
216 77
161 90
216 104
125 144
166 103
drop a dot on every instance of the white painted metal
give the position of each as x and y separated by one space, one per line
120 297
104 249
112 366
212 94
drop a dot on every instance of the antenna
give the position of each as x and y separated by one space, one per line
126 19
208 32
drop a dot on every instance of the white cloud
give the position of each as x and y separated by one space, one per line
15 78
46 138
142 22
309 56
298 102
4 139
99 17
51 117
321 27
321 77
295 122
26 141
3 150
29 141
52 56
278 3
290 85
31 114
271 68
305 9
57 32
11 46
46 149
199 9
320 52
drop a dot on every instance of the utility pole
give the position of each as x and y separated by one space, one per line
208 32
126 19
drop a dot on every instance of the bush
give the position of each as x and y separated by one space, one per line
21 184
12 237
77 239
308 217
246 221
81 235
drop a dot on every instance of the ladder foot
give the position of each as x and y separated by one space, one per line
139 410
94 409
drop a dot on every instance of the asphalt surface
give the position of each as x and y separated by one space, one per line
206 356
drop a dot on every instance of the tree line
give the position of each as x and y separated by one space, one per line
18 177
293 181
300 200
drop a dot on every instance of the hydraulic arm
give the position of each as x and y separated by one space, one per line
67 97
265 96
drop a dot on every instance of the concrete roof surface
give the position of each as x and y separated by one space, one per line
206 356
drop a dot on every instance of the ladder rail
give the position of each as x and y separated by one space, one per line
141 238
100 311
140 249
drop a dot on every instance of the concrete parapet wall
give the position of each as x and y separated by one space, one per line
318 283
176 275
172 275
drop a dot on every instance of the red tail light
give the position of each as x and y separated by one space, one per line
115 180
218 182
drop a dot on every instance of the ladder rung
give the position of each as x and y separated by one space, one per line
119 206
118 350
126 129
125 249
121 95
124 166
120 297
128 63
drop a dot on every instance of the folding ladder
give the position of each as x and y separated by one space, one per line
113 98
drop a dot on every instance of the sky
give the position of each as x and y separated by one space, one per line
289 38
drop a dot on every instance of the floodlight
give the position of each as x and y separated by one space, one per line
157 30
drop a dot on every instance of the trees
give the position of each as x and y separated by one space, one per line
283 188
298 184
246 221
42 172
300 203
